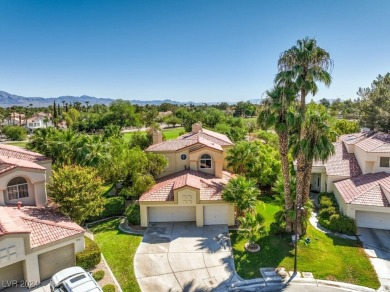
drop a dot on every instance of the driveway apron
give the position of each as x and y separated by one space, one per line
183 257
376 243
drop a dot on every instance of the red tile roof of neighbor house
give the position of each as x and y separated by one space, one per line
8 163
45 225
341 163
174 145
210 186
367 189
378 143
20 153
212 136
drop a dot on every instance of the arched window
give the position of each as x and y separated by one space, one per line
17 188
205 161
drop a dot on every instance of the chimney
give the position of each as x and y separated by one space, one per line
19 205
197 127
157 137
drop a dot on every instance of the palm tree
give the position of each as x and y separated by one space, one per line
278 112
304 64
242 192
251 226
316 144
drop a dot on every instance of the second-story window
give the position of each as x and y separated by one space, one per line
205 161
384 162
17 188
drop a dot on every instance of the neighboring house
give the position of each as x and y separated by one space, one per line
190 188
38 121
35 240
14 119
359 176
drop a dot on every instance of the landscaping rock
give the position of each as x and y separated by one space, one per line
307 275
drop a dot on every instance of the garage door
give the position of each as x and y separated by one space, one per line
215 215
11 273
373 220
171 214
56 260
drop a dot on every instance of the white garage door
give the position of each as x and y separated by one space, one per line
56 260
373 220
215 215
11 273
171 214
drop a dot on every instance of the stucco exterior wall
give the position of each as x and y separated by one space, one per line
36 187
216 165
186 196
20 244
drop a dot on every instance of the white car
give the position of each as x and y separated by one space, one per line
73 279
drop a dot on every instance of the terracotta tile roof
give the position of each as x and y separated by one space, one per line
379 142
212 136
341 163
8 163
20 153
44 225
210 186
367 189
172 145
354 138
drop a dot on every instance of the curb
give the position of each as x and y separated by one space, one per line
340 285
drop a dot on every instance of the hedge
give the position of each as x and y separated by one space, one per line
91 255
330 217
133 214
109 288
113 206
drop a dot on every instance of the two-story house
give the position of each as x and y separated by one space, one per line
190 188
35 240
359 176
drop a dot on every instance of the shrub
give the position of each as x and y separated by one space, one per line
327 212
113 206
91 255
276 228
342 224
330 217
326 200
15 133
98 275
133 214
109 288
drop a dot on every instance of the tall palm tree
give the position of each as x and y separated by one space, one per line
304 64
278 112
316 144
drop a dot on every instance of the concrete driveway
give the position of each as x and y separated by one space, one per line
376 243
183 257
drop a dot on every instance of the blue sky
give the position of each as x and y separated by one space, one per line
203 50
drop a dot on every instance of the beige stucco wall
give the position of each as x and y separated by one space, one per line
20 243
186 196
216 157
36 186
351 209
225 154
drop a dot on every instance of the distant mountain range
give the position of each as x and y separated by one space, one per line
8 100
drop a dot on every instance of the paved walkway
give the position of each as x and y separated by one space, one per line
180 256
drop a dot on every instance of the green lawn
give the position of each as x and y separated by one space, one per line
173 133
118 249
169 133
327 257
18 143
